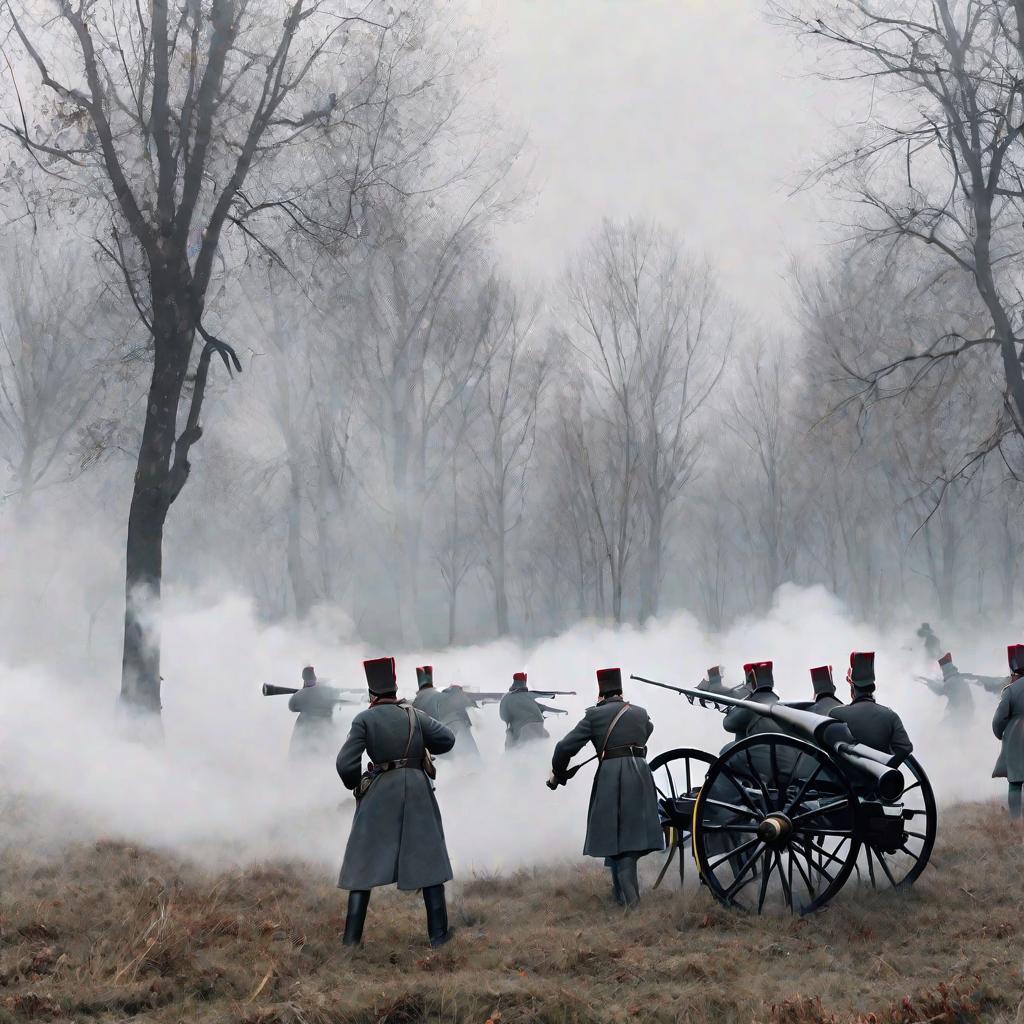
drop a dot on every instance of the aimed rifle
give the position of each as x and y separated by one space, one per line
490 697
269 690
827 733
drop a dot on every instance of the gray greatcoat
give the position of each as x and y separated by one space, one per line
428 700
745 723
1008 726
523 716
623 815
314 728
453 710
397 835
875 725
825 704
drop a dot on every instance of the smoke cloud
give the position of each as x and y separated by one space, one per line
220 789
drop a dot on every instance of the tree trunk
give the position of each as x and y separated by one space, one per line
500 574
650 595
152 495
302 592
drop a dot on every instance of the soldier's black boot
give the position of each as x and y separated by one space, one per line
1014 801
437 915
358 901
629 883
613 867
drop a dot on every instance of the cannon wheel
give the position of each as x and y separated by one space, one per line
775 805
895 870
678 774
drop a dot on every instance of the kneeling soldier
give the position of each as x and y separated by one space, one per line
397 836
623 822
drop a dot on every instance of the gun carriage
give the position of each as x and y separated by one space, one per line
788 816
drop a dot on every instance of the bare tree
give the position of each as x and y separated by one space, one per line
939 166
643 320
503 443
181 117
51 361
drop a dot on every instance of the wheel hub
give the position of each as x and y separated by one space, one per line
775 829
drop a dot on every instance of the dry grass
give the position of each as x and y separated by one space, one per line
111 933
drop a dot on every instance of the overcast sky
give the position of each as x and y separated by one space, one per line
698 113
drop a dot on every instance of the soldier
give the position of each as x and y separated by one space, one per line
716 684
931 641
1008 726
427 698
622 822
523 714
825 699
741 723
397 837
314 728
871 723
954 687
453 710
761 684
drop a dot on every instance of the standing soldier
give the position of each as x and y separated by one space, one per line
742 723
397 837
930 640
427 698
623 822
954 687
1008 726
453 710
871 723
715 683
825 699
523 714
314 728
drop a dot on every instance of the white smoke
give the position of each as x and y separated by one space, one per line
220 788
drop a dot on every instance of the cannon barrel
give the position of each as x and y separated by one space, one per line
828 733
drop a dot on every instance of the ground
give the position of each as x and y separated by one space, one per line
110 932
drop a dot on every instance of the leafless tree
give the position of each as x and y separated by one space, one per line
174 122
503 443
938 167
52 360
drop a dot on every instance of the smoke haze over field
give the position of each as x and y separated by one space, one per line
220 788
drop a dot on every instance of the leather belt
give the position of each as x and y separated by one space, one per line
389 766
625 752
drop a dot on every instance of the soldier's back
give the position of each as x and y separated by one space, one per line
871 723
631 729
428 700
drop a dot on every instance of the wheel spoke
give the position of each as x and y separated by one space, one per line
885 868
787 883
742 848
728 828
689 783
916 835
735 886
765 874
736 809
806 877
871 868
817 811
836 833
795 802
667 864
916 785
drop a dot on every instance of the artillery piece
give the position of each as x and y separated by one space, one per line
791 814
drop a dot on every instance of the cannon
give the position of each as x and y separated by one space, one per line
788 817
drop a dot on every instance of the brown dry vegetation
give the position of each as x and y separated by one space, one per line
110 932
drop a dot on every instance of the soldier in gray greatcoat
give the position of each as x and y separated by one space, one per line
955 688
715 683
743 723
623 822
1008 726
523 714
453 710
930 640
314 728
427 699
397 837
825 699
871 723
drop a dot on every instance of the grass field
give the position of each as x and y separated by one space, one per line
109 932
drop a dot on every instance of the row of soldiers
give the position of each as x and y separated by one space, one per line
397 836
521 709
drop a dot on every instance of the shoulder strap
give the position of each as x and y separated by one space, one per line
608 734
412 726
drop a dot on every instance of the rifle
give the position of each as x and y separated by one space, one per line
270 690
828 733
